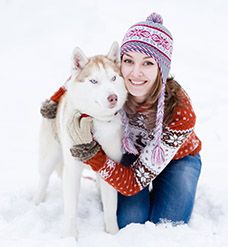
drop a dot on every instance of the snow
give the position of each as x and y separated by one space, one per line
37 39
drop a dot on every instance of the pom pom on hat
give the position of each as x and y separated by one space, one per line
156 18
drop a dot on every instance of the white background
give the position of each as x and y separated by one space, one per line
36 42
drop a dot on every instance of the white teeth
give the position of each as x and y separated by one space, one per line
137 83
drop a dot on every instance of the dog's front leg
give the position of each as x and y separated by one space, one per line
109 201
71 187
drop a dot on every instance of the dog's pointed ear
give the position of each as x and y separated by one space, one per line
114 52
79 59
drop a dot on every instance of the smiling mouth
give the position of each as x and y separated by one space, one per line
137 83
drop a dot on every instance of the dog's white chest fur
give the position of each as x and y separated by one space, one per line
108 134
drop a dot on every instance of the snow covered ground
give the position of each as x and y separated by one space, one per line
36 42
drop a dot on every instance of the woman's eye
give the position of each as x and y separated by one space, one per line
113 78
148 63
93 81
127 60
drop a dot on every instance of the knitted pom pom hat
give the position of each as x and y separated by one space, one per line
154 40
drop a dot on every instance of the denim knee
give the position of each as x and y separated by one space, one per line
174 190
133 209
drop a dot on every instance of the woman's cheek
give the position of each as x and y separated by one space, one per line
124 71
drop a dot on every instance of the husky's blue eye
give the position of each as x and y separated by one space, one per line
113 78
93 81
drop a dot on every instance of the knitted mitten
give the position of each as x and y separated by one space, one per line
85 151
79 129
49 109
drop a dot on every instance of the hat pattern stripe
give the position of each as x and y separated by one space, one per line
156 28
149 51
139 41
150 36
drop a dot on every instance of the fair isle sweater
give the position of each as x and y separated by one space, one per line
178 141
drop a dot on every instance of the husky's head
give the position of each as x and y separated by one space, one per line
96 86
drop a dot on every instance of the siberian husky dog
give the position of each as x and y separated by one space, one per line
96 89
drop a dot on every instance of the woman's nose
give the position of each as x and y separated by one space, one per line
136 71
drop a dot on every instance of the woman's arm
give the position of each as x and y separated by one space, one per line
130 180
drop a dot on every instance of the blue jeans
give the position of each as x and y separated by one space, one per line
172 196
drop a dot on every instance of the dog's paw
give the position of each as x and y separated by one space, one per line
70 229
71 233
112 228
38 198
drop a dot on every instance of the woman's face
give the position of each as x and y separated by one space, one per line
139 72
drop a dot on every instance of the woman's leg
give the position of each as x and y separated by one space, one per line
173 193
132 209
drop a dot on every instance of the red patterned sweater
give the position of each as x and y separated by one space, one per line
178 141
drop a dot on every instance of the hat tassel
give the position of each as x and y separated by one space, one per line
158 156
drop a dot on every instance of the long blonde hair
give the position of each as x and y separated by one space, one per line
149 107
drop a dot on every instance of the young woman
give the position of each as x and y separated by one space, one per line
161 124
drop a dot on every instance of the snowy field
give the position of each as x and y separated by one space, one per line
36 42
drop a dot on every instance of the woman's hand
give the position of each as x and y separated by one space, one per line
79 129
84 147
